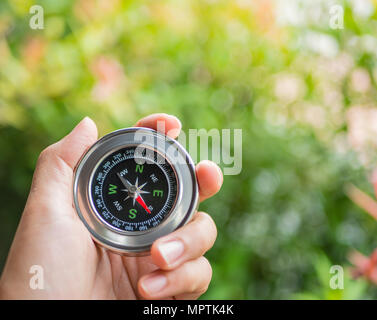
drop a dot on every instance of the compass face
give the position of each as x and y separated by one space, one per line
133 191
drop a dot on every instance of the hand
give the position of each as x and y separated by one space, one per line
51 235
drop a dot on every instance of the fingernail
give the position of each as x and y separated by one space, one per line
171 250
154 284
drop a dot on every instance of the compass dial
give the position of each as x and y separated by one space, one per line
133 191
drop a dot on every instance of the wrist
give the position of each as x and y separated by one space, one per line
2 291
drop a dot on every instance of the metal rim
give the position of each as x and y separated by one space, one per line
135 243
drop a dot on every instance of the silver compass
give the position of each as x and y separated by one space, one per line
134 186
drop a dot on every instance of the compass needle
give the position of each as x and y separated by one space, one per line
140 200
142 186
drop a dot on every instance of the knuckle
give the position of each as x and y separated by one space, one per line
51 154
207 266
192 277
207 272
191 283
211 224
202 289
208 230
208 220
46 154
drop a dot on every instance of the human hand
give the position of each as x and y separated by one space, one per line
51 235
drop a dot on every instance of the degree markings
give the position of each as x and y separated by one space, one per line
107 167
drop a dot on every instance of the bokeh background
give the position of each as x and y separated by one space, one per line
303 93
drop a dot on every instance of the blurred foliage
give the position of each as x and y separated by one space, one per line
303 93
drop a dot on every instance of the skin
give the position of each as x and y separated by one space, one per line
51 235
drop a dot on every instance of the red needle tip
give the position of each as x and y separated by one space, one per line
142 203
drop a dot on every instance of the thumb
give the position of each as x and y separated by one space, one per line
52 181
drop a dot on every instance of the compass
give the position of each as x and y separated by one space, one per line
134 186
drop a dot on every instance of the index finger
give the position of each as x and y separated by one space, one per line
186 243
162 122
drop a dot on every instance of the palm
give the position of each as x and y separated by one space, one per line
125 273
117 275
106 275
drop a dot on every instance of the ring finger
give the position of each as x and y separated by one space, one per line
189 281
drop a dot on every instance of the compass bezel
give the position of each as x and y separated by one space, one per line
135 242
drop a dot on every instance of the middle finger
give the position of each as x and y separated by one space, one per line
187 243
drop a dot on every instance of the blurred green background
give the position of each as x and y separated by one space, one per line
304 95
